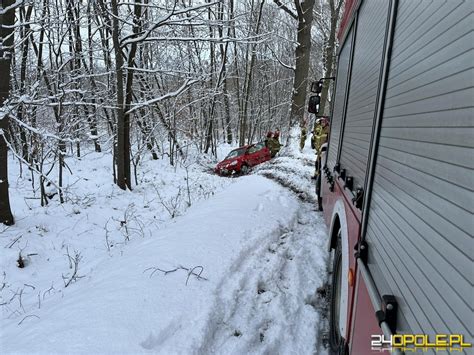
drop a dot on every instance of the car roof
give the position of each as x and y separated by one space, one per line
248 145
245 146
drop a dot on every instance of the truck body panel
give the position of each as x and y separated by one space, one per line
402 127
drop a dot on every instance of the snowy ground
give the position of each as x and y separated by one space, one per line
233 272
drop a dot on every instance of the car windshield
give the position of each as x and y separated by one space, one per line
256 147
236 153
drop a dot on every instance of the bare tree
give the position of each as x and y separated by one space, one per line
123 136
151 77
328 27
304 16
249 69
7 20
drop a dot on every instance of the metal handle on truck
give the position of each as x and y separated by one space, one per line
377 301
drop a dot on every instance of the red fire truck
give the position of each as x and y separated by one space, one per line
397 175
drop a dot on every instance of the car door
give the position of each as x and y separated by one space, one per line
258 152
263 152
252 156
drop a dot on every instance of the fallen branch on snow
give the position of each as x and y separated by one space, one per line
31 315
73 264
190 271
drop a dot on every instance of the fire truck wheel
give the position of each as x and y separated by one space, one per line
318 193
336 342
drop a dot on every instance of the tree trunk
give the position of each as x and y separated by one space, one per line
24 17
129 92
227 129
329 54
302 54
122 143
7 19
244 130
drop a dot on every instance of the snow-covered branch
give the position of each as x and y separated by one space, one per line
162 22
279 61
169 95
4 10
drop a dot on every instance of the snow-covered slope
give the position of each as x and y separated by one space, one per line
236 241
236 272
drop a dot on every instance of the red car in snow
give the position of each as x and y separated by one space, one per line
240 160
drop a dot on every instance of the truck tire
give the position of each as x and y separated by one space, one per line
318 193
336 341
318 183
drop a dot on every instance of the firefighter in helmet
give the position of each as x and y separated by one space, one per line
272 142
320 136
267 139
276 135
276 142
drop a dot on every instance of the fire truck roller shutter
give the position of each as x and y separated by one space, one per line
420 220
364 84
341 81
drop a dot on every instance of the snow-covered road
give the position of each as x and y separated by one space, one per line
236 274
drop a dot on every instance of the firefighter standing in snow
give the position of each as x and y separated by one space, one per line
320 136
269 136
274 143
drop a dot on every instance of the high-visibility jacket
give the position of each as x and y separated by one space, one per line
320 136
274 145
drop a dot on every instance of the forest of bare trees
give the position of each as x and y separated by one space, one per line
151 78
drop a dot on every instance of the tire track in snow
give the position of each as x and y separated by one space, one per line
293 173
266 303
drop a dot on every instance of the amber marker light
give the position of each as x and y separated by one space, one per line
350 277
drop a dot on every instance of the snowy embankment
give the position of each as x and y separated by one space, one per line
293 168
236 272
